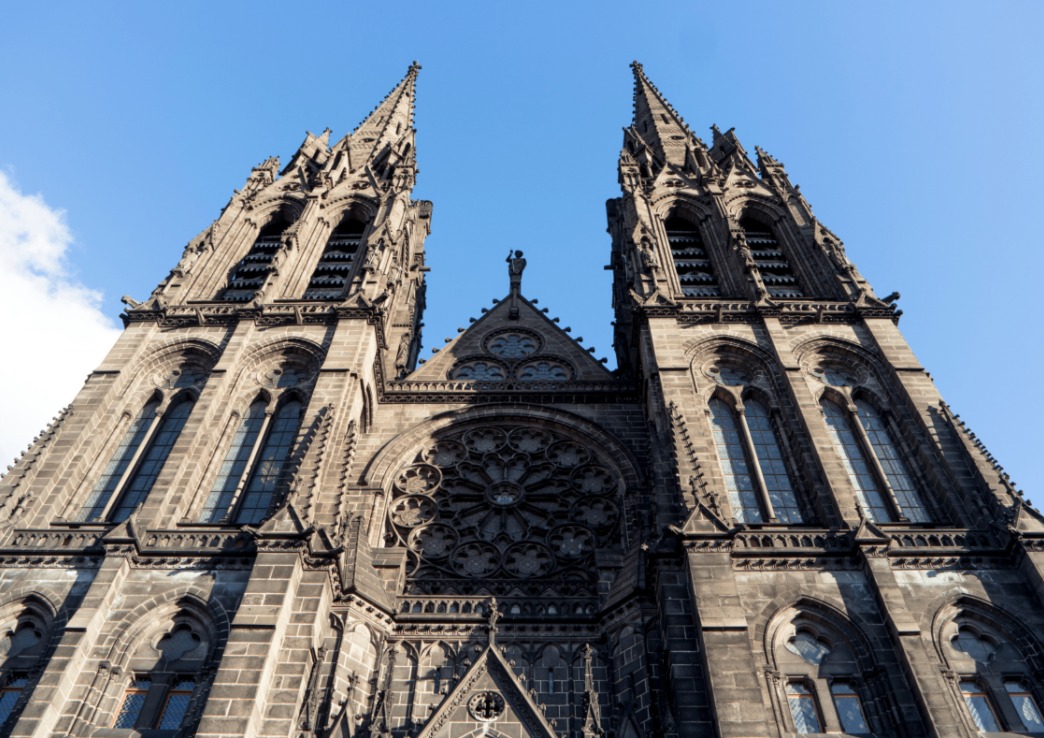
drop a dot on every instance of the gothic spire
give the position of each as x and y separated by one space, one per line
389 123
658 124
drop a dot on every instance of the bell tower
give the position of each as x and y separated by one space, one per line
805 434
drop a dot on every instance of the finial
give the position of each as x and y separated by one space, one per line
637 66
415 66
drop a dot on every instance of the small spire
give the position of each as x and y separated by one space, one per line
658 122
388 123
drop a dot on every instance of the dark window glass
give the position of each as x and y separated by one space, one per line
739 481
906 493
177 704
133 701
856 464
268 469
10 694
117 467
979 707
770 460
849 709
1025 705
234 465
140 484
803 709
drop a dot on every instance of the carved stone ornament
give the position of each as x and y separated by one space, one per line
186 375
513 344
486 706
513 505
284 376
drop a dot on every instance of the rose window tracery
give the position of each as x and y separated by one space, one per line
493 509
479 371
545 370
513 345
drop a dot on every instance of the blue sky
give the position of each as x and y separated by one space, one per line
913 128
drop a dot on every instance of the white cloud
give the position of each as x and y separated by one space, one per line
52 330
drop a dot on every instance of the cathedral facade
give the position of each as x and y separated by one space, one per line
263 515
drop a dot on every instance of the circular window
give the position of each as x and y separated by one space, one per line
545 370
513 344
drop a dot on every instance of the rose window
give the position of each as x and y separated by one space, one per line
509 505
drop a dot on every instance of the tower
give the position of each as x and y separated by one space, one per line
264 516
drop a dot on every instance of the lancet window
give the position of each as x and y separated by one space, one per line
331 275
752 461
770 259
252 472
691 262
23 644
250 274
884 486
132 471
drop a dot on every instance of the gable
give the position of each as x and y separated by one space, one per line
524 350
489 701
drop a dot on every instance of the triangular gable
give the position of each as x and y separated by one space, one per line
545 353
488 700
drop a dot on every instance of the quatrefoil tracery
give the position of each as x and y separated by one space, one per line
508 505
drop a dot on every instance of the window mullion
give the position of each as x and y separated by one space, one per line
875 464
132 467
755 464
248 468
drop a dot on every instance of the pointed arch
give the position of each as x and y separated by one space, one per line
692 263
340 257
770 258
248 276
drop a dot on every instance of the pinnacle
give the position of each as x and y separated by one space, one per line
390 101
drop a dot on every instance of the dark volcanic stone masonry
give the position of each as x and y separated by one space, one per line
263 516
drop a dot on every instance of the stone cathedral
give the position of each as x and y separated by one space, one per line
264 516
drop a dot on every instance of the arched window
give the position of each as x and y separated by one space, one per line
331 274
137 462
165 679
882 481
993 677
24 642
823 667
753 464
691 262
246 484
769 258
249 275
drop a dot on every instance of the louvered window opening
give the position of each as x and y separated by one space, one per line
250 273
691 263
334 269
770 260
